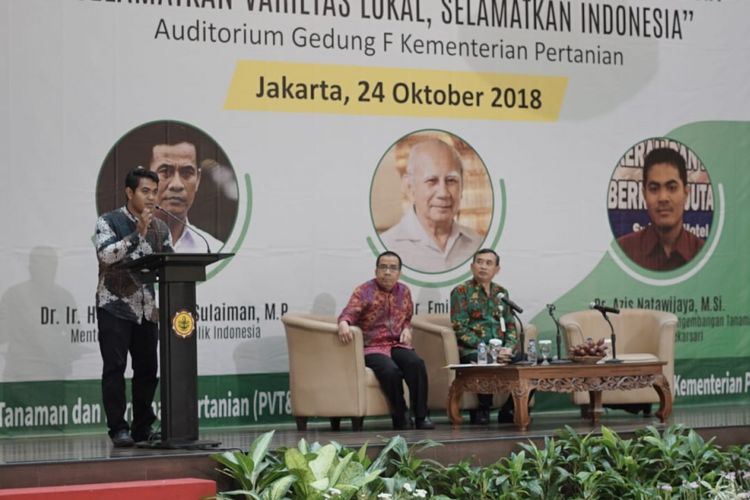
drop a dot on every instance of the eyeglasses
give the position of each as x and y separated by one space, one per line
186 172
388 267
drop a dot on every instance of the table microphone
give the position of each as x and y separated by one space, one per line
208 248
604 309
515 307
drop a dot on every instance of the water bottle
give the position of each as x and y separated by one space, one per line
482 354
532 351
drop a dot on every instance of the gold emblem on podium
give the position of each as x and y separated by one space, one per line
183 323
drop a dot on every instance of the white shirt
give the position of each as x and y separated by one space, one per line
419 251
191 243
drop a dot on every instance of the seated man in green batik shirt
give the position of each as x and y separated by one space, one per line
479 315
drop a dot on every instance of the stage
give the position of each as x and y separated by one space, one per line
81 459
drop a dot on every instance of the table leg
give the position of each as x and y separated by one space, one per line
661 385
521 405
595 406
454 402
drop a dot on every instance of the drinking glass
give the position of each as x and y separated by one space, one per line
545 347
495 345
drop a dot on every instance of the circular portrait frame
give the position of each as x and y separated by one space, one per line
662 226
210 201
395 201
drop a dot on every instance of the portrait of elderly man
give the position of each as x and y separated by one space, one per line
664 244
428 237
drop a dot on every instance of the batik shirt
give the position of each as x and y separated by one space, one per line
477 317
382 315
120 292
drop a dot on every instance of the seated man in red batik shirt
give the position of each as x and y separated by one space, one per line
383 308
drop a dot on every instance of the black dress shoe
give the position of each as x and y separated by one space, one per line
424 424
147 435
122 439
401 423
480 416
505 417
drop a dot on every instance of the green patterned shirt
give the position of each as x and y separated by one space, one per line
478 317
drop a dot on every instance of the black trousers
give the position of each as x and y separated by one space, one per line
403 365
117 337
485 400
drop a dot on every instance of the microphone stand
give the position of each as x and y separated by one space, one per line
614 341
559 360
522 338
185 225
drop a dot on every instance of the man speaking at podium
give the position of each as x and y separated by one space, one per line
126 308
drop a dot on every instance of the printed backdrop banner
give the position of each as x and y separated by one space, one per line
307 136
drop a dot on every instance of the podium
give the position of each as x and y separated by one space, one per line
177 274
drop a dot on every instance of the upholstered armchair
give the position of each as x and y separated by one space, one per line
328 378
641 335
435 342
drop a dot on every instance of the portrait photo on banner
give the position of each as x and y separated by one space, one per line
661 204
197 183
431 200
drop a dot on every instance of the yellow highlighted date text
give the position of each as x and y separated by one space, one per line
361 90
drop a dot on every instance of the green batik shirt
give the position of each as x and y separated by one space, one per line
477 317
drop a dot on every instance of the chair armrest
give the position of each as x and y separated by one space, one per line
436 342
320 362
667 331
436 345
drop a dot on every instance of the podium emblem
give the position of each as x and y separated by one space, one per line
183 323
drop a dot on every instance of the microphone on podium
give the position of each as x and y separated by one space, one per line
515 307
604 309
188 226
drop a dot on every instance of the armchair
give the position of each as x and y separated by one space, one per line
328 378
435 342
641 335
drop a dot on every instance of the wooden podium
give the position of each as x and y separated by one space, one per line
177 274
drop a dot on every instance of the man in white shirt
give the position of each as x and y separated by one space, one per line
427 237
179 179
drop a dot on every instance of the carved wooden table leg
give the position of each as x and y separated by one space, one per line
520 394
661 385
454 402
595 406
586 411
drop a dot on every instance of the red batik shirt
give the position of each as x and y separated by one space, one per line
382 315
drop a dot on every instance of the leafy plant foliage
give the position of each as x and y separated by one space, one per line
676 463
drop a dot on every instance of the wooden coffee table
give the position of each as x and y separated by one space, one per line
519 381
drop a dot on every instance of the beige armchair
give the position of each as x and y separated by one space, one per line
641 335
435 342
328 378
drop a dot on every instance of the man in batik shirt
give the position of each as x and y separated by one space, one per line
126 310
382 308
479 315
